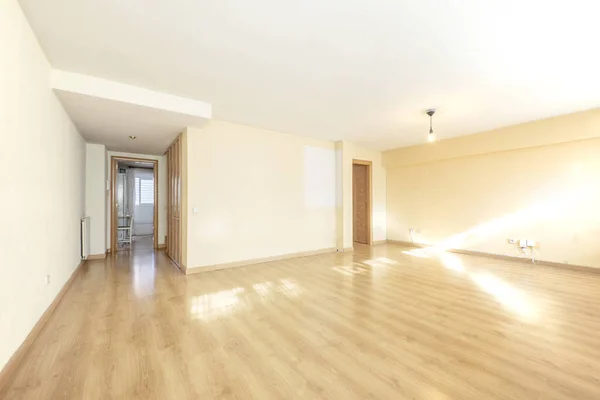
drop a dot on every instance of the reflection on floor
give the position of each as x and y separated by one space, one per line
145 242
379 323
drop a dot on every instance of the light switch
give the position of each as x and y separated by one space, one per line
195 210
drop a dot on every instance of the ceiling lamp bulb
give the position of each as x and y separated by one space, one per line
431 136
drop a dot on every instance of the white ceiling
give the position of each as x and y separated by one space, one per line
111 123
108 112
358 70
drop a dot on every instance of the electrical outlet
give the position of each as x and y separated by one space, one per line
47 279
411 230
512 241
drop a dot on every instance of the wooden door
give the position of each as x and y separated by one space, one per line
361 203
174 202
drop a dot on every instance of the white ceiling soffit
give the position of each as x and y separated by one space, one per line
357 70
135 164
109 113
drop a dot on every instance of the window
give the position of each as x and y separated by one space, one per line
144 191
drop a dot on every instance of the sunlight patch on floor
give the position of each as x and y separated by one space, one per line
421 253
513 299
380 262
452 262
349 271
214 305
510 297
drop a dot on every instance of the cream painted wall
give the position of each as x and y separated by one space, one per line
350 152
561 129
258 193
162 192
549 194
339 195
95 195
42 199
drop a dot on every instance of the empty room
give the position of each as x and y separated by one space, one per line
300 200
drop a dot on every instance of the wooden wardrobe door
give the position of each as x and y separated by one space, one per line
174 202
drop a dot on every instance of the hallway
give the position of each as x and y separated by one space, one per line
138 244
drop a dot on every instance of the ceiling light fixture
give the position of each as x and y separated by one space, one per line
431 136
132 137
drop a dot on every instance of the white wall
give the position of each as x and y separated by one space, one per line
42 198
162 192
96 196
258 193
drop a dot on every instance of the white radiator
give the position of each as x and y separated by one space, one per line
85 238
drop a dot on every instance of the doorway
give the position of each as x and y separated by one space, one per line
134 204
361 202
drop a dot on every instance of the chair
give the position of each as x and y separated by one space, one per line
127 231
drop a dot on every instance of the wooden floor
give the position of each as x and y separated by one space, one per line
382 323
145 242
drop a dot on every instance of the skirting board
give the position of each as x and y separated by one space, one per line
15 360
96 256
243 263
377 242
573 267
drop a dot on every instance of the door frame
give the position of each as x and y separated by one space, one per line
113 203
369 165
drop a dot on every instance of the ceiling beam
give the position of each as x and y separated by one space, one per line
110 90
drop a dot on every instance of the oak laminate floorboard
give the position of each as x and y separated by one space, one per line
387 322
